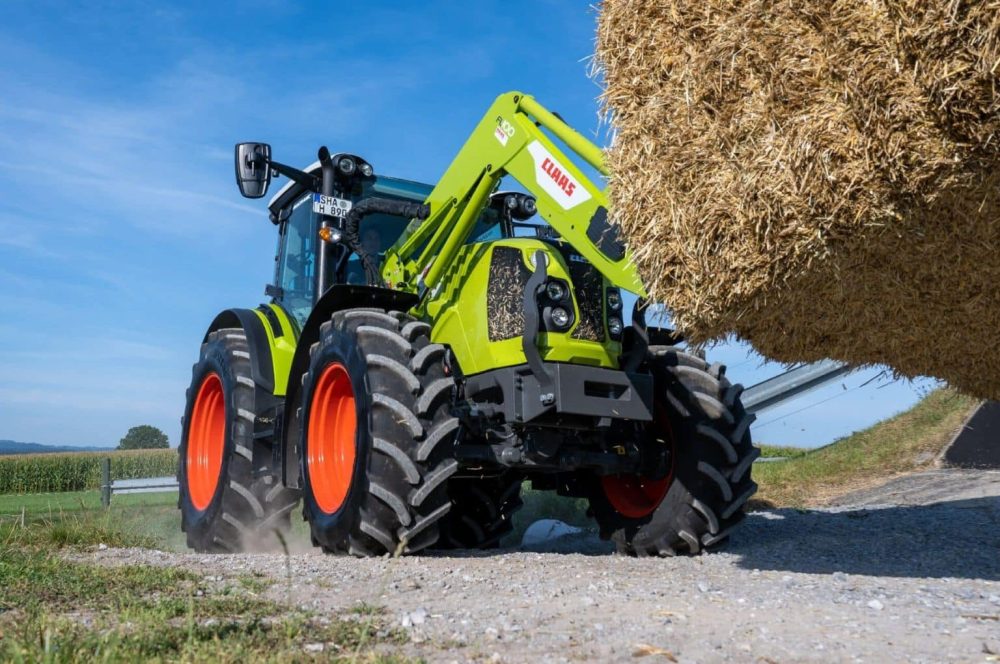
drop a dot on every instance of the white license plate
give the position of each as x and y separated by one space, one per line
331 205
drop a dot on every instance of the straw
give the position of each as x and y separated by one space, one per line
818 178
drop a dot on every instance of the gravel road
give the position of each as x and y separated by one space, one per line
907 572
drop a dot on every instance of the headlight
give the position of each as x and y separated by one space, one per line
366 170
614 300
615 326
555 290
346 165
528 206
560 317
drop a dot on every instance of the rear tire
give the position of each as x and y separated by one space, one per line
226 506
375 483
699 414
481 512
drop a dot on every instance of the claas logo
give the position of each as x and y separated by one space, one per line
561 179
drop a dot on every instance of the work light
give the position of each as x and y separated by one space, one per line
560 317
615 326
555 290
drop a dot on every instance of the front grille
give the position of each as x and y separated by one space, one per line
505 293
588 288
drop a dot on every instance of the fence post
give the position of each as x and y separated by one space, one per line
106 482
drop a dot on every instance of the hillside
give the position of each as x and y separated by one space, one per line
908 442
15 447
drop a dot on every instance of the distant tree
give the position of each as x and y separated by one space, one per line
144 437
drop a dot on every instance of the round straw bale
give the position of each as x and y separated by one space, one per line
817 177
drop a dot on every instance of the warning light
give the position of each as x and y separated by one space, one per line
328 234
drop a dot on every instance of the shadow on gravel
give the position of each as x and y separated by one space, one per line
947 539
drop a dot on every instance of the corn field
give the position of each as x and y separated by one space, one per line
78 471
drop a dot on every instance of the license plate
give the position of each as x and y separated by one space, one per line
331 205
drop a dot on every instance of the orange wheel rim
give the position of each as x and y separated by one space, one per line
635 496
333 424
206 441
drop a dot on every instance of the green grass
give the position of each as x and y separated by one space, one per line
54 608
71 501
150 517
772 451
907 442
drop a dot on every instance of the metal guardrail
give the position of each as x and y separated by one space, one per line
144 485
792 383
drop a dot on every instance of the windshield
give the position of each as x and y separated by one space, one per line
297 243
380 231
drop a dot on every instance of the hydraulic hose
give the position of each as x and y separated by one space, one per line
352 223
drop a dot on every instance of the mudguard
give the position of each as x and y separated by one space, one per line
271 335
261 366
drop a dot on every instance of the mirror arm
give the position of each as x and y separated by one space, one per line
310 182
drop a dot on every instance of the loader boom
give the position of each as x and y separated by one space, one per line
510 140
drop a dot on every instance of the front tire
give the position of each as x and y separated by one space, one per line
377 435
699 418
225 505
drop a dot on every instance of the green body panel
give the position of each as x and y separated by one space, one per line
432 258
459 314
508 142
282 348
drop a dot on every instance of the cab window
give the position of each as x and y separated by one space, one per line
296 274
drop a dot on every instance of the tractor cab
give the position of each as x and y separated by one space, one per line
300 245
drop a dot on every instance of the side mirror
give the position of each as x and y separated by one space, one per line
253 169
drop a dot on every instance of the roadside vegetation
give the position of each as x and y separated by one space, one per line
779 451
905 443
56 606
77 471
78 517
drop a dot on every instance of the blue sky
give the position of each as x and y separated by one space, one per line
122 232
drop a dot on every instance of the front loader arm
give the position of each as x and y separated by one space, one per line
509 141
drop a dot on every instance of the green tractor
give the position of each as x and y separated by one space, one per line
428 349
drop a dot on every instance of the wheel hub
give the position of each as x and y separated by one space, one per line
636 496
331 438
206 442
